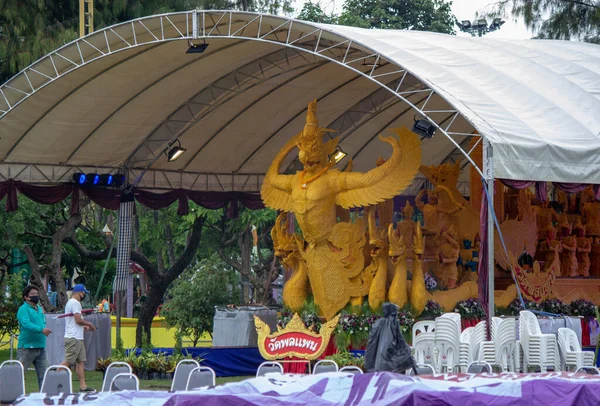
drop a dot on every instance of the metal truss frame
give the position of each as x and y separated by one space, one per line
305 39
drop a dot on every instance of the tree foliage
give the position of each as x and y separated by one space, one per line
555 19
420 15
192 298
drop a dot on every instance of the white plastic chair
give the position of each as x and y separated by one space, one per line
422 327
465 347
590 370
182 373
447 342
570 350
500 351
57 379
324 366
539 350
12 381
423 348
351 369
114 369
201 377
422 369
479 367
125 381
269 367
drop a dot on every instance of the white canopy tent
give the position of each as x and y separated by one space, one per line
114 101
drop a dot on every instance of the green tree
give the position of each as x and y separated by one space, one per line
191 302
313 12
420 15
235 245
555 19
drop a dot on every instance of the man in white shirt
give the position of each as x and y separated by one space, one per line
75 325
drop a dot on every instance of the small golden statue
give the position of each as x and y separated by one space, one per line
398 293
448 258
591 213
584 247
418 292
568 261
332 250
378 269
285 245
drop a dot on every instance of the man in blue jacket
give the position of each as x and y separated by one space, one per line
32 334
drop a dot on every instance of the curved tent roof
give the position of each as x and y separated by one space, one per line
117 98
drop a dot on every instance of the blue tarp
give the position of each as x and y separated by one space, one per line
237 361
228 361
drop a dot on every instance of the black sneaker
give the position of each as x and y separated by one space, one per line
88 389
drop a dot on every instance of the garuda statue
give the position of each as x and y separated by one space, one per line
334 251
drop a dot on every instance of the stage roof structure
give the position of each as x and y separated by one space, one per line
116 99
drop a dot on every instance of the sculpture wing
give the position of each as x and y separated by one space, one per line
274 197
385 181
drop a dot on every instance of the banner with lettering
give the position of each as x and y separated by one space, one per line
295 340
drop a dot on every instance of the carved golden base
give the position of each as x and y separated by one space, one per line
569 289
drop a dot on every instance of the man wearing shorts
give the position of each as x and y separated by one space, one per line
74 348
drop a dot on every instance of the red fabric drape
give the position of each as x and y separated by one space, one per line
585 331
109 198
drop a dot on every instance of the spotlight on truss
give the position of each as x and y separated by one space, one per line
479 27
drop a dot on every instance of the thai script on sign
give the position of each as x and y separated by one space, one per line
278 343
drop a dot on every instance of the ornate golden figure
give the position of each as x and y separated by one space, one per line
418 292
584 247
551 248
591 214
569 255
398 293
437 213
285 245
448 258
379 262
334 251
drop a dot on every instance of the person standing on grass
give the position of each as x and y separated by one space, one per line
32 334
75 325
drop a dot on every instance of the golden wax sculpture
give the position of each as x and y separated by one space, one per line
295 340
332 250
398 292
451 208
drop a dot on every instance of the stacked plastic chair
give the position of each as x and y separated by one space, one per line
500 351
465 344
539 350
570 350
447 342
424 347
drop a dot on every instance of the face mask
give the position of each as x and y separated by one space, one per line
34 299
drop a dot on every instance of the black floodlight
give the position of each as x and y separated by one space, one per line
424 128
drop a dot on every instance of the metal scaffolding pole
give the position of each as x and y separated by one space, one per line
488 172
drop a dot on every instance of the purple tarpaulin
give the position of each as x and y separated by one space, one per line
549 389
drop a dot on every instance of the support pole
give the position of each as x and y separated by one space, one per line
488 171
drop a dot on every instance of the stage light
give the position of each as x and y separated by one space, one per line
118 180
79 178
337 155
106 179
480 25
93 178
496 24
465 25
175 152
424 128
196 48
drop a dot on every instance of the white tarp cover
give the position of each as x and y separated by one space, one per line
537 101
117 97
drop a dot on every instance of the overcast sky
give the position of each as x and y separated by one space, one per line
463 10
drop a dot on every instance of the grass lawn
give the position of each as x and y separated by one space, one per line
94 379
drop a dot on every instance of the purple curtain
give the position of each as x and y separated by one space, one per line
110 198
571 187
541 191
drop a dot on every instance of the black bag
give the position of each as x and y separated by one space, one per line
386 348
